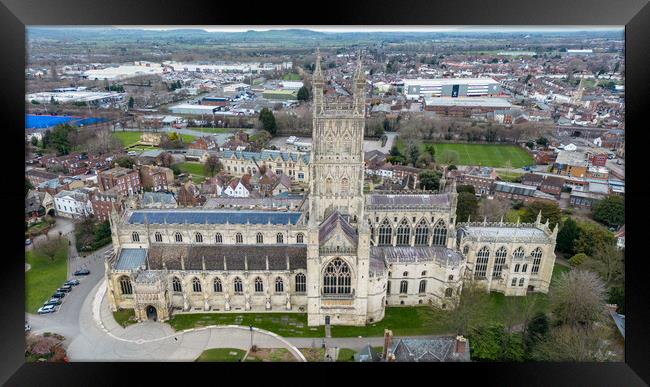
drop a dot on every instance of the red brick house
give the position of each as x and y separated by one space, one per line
125 181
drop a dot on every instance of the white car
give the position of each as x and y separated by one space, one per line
47 309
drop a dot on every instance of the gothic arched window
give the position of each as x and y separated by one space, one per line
178 237
403 287
524 268
482 258
157 237
259 238
345 186
517 268
238 285
423 286
519 253
328 186
300 238
217 285
125 285
385 234
279 238
218 238
499 261
198 237
337 278
537 260
422 233
279 285
449 292
301 283
135 237
521 281
239 238
259 285
404 233
514 282
196 285
440 234
176 285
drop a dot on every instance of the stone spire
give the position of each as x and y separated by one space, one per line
538 221
359 86
317 84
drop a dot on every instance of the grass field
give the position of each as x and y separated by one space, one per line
221 354
123 317
486 155
131 138
193 168
291 77
215 130
346 354
45 276
313 354
271 355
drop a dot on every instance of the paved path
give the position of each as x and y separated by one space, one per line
376 145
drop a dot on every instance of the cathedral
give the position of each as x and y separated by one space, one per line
341 257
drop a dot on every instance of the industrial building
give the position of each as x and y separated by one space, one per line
450 87
186 108
464 107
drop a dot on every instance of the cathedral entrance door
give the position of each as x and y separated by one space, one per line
152 314
327 320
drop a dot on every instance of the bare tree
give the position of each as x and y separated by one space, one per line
578 298
608 263
212 166
572 343
166 159
50 247
469 306
493 209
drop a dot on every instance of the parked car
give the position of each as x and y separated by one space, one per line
58 295
68 287
63 289
82 272
47 309
28 242
72 282
54 301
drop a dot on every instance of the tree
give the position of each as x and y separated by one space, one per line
466 188
536 331
165 159
50 247
543 141
592 237
413 153
530 144
131 102
451 167
430 149
578 259
610 210
176 169
303 94
493 209
578 298
268 121
567 235
429 180
572 343
396 160
125 162
212 166
394 151
550 211
493 343
424 161
470 306
34 141
59 139
467 206
608 263
28 186
448 156
260 140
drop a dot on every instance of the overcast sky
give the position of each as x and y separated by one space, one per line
382 28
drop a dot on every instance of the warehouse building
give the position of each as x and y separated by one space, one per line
464 107
450 87
186 108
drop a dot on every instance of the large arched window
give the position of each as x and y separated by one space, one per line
259 285
279 285
482 258
239 238
537 260
466 249
217 286
404 233
385 234
198 238
422 234
449 292
259 238
300 238
403 287
328 186
238 286
157 237
301 283
423 286
524 267
387 287
345 186
178 237
514 282
519 253
279 238
517 268
125 285
196 285
440 234
218 238
176 285
521 281
499 261
135 237
337 278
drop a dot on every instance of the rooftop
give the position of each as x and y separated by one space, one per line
404 254
503 233
131 259
408 200
450 81
179 216
468 102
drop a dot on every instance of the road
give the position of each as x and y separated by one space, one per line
369 145
63 225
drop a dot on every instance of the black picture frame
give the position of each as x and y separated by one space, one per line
633 14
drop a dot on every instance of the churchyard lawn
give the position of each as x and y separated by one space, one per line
44 276
221 354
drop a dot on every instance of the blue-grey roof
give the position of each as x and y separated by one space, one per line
266 155
213 217
158 197
619 320
131 259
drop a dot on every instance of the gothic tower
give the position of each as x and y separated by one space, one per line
338 248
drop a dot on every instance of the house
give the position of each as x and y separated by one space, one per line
73 204
104 202
34 210
203 143
189 195
620 237
293 164
237 188
520 192
481 178
199 155
39 176
57 185
594 192
438 349
158 200
126 181
402 172
570 163
156 178
548 184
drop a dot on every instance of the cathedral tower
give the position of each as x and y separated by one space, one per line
338 249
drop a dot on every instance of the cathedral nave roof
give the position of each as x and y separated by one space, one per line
413 254
193 216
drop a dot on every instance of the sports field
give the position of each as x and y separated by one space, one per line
132 138
486 155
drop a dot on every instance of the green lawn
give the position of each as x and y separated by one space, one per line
193 168
313 354
291 77
346 354
510 176
215 130
131 138
123 317
487 155
44 277
221 354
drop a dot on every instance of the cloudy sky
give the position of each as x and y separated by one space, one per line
390 28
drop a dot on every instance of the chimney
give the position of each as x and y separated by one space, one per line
388 337
459 348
